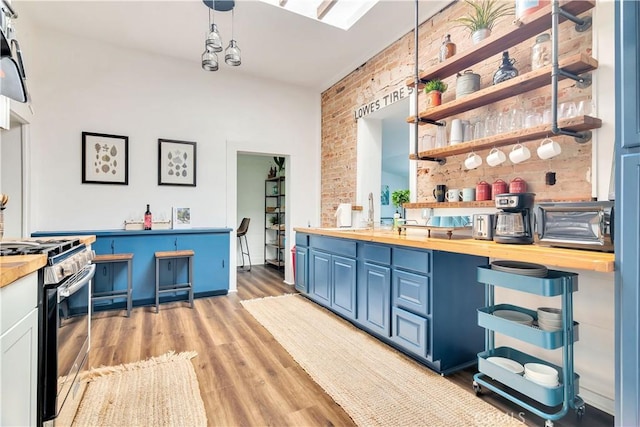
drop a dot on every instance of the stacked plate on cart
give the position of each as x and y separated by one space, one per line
508 364
542 374
549 319
518 267
514 316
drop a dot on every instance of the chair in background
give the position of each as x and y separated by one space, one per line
242 232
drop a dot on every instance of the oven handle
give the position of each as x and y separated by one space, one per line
73 287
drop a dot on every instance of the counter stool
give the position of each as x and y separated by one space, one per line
242 232
113 294
175 287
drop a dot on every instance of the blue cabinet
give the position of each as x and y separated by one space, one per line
343 286
373 294
301 269
320 276
211 260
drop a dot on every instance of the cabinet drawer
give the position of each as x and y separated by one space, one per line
17 300
335 246
410 259
302 239
409 331
377 253
411 292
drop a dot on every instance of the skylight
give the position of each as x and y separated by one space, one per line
338 13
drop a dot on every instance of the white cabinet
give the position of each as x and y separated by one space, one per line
19 352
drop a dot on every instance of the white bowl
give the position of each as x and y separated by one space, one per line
549 384
506 363
541 373
549 313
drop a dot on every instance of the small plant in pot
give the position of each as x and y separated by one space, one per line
434 89
483 16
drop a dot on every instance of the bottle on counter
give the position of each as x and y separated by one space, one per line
147 219
448 48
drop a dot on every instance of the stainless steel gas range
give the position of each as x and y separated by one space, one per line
64 318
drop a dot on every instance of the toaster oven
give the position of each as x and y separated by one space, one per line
580 225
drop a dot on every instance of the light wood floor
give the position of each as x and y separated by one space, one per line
246 378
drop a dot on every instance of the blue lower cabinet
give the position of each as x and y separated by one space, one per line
411 292
374 295
411 332
343 299
301 269
320 277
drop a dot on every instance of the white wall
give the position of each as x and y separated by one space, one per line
82 85
11 180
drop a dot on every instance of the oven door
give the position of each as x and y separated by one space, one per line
66 335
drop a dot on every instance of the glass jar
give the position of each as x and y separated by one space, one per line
448 48
541 52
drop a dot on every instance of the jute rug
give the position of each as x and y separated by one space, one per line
376 385
160 391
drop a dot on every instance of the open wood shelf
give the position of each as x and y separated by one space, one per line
530 26
480 203
576 124
576 64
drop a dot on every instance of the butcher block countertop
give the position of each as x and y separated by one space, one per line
14 267
551 257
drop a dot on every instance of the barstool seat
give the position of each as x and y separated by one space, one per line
174 287
113 294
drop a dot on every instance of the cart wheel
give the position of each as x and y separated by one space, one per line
580 412
476 388
548 423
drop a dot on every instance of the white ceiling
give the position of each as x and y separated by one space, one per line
276 44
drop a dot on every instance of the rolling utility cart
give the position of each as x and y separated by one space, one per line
565 393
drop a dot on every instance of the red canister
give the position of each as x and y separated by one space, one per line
498 187
518 185
483 191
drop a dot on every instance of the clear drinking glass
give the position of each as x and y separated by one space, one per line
441 137
490 125
516 118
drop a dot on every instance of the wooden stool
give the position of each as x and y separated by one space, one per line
175 287
113 294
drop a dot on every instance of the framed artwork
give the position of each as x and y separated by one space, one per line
181 217
384 195
176 162
105 159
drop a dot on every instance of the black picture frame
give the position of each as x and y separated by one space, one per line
177 162
105 158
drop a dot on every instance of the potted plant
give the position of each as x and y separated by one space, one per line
280 163
399 197
434 89
483 16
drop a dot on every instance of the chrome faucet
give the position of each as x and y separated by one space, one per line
370 218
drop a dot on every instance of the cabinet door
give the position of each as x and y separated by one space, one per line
343 298
18 373
374 296
320 277
409 331
301 269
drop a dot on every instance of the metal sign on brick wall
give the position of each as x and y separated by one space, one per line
382 102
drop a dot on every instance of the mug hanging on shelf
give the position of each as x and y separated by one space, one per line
548 148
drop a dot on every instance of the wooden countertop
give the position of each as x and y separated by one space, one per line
14 267
552 257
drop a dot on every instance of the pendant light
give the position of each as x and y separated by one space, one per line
213 42
232 54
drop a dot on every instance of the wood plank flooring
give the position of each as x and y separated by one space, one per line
246 378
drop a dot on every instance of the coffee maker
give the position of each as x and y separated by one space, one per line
514 220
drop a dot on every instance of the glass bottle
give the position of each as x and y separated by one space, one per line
541 52
448 48
147 219
506 70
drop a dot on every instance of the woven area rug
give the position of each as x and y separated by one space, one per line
160 391
374 384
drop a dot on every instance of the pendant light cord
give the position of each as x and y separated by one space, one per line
232 19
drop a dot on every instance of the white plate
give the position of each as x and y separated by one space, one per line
508 364
549 384
514 316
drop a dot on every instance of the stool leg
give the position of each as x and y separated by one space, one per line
157 285
191 281
129 291
241 250
248 254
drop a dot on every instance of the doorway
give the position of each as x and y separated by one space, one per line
14 177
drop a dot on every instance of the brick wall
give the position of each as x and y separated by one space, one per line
389 71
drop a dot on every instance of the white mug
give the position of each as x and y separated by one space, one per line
453 195
548 148
519 153
472 161
456 132
496 157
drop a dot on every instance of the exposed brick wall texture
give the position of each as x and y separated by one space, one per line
389 71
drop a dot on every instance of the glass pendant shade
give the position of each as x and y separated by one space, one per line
209 60
214 42
232 54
